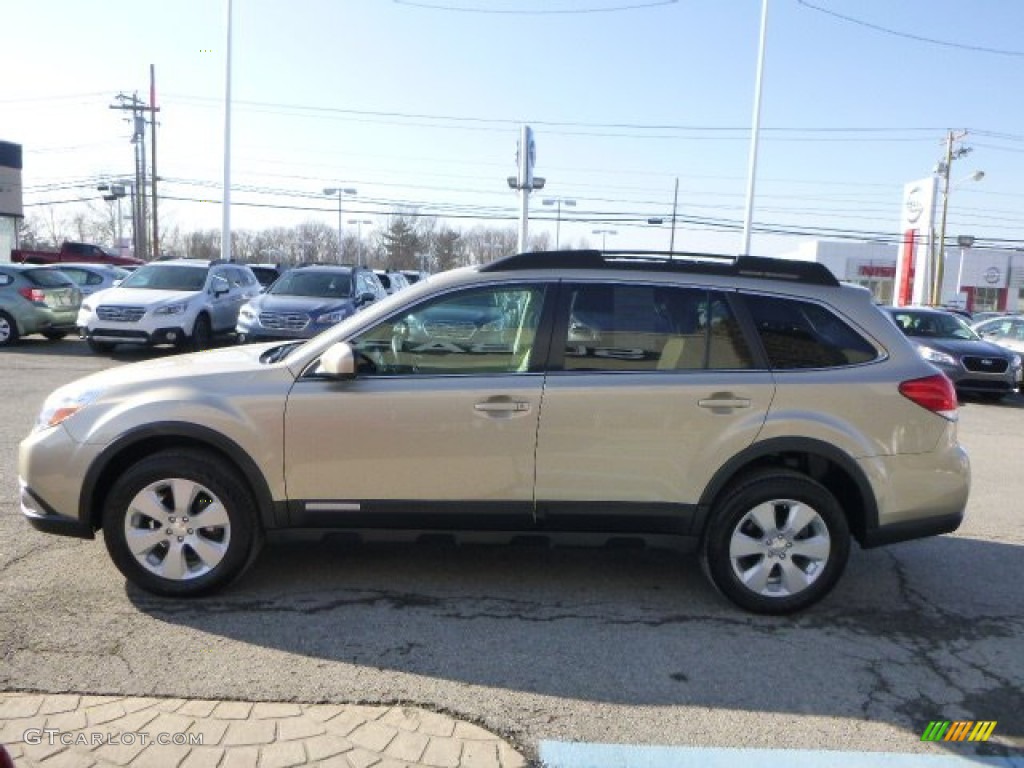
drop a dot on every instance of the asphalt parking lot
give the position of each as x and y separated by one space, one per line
539 644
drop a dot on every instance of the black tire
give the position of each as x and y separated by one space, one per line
100 347
8 330
177 555
55 335
787 563
202 333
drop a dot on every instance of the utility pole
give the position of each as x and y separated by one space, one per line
153 109
140 214
940 246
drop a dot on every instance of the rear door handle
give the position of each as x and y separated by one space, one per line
502 406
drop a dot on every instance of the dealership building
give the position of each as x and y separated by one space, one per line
10 197
977 279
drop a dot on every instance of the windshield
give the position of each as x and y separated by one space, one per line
328 285
933 325
167 277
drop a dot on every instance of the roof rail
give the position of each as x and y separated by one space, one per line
664 261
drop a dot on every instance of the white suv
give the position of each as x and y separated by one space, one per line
184 302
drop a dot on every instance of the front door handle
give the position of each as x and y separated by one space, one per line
723 401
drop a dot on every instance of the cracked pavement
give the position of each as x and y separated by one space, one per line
533 643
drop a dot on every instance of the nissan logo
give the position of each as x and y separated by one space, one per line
992 275
914 206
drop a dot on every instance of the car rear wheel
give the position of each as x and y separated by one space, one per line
777 543
181 524
8 330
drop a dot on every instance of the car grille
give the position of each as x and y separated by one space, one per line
120 314
284 321
456 331
986 364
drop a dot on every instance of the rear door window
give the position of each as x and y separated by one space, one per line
614 327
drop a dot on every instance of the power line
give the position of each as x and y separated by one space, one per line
533 12
909 35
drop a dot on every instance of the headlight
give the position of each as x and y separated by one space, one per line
331 318
934 356
171 309
63 405
1015 361
247 312
494 325
86 307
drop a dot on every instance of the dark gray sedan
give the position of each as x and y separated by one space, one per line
974 365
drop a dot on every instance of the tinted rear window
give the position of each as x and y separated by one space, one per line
47 278
799 334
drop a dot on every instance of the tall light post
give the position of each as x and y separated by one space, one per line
359 238
964 242
559 202
340 192
940 258
604 235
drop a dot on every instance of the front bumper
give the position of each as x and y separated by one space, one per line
51 468
43 517
168 335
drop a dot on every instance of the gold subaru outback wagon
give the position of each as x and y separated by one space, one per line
753 410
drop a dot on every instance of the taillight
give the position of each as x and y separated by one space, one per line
936 393
33 294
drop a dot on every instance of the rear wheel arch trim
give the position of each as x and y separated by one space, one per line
735 468
183 435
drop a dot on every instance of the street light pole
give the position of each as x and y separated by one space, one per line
359 238
604 235
558 201
340 192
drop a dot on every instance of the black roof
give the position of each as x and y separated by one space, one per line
663 261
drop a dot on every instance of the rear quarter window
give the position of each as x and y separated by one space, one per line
801 334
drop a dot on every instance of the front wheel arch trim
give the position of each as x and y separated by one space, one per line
135 445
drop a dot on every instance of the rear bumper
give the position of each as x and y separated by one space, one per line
912 529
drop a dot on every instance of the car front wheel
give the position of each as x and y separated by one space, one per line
181 524
777 543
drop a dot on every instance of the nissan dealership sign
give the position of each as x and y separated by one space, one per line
914 256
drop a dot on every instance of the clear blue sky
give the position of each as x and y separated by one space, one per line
419 104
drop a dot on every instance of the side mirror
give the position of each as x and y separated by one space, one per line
365 298
220 286
338 362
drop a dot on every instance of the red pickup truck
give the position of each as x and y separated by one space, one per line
73 252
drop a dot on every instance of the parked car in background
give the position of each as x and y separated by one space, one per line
36 299
307 300
73 252
979 317
1006 331
184 302
267 273
974 365
392 280
92 277
413 275
755 411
